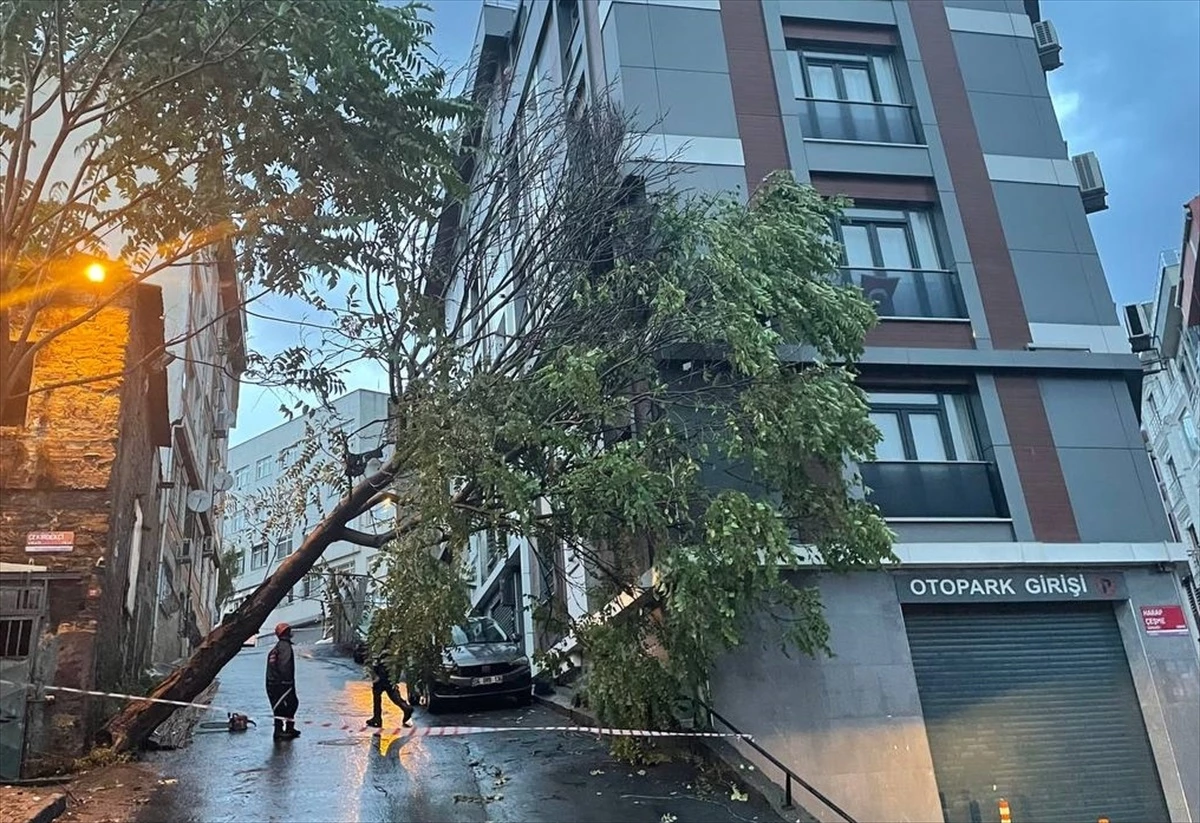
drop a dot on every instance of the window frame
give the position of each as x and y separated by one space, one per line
902 411
262 468
260 555
838 61
279 543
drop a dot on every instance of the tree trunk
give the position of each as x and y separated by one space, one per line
139 719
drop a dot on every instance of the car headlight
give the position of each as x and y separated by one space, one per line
521 662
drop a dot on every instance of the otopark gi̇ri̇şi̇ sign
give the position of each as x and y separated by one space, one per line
936 586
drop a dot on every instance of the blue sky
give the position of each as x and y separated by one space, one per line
1129 90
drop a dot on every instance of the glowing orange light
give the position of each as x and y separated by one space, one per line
96 273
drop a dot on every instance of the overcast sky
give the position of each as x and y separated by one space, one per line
1129 90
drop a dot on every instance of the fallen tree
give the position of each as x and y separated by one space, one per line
580 357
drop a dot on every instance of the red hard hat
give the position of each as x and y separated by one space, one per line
282 629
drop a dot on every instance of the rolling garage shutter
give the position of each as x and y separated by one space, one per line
1034 704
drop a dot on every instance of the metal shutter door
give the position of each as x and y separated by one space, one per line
1034 704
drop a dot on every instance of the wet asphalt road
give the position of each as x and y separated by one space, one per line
333 775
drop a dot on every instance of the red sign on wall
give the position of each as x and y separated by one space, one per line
49 542
1164 620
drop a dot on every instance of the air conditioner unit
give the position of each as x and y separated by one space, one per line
1140 338
185 551
1049 49
1091 182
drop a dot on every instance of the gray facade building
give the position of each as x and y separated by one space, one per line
1027 649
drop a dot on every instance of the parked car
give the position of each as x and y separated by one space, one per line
484 661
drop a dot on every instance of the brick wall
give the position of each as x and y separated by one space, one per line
85 453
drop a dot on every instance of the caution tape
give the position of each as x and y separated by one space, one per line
412 731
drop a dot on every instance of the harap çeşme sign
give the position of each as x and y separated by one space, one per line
997 586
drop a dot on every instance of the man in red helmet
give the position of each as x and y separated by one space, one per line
281 684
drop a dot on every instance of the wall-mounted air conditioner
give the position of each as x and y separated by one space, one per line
1048 47
1140 338
1091 182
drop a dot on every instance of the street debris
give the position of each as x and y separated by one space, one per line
595 772
737 795
668 818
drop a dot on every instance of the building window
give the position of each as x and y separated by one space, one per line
1194 539
1186 377
892 255
283 547
928 463
14 406
262 468
258 556
1191 437
16 635
241 477
923 427
239 564
287 457
311 585
850 96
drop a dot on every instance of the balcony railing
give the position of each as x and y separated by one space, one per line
909 292
859 122
919 489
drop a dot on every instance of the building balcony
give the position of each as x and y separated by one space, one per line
935 490
909 293
858 122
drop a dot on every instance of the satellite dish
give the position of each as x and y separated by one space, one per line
374 465
199 500
223 481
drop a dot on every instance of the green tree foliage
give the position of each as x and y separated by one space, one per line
686 404
144 132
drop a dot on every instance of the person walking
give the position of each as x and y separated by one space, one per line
381 684
281 684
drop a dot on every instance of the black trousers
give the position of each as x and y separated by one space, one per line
283 700
381 686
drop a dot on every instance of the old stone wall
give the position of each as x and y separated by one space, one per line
86 452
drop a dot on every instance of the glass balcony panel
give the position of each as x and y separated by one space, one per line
908 292
935 490
857 121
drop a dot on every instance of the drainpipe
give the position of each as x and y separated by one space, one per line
594 47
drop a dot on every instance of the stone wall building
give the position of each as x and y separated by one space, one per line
79 517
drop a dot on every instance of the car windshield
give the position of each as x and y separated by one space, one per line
478 630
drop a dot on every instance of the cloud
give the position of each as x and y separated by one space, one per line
1066 105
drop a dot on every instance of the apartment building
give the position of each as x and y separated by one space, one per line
1026 649
205 326
1165 334
259 465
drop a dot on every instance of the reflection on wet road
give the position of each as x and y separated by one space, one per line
334 775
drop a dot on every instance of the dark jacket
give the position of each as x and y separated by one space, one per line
281 665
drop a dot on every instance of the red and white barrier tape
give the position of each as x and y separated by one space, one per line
420 731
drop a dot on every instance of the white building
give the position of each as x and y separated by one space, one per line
264 533
204 326
1170 350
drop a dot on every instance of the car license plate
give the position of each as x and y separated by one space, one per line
488 681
